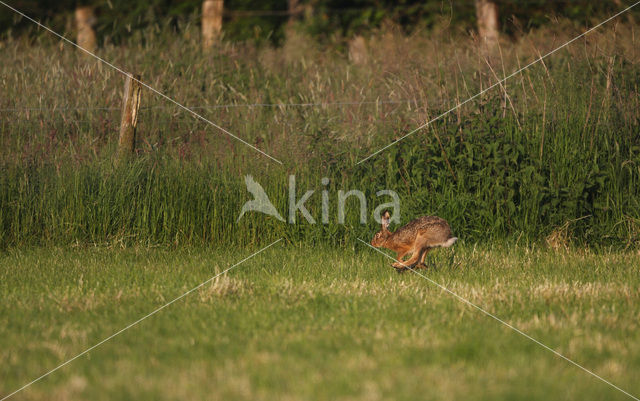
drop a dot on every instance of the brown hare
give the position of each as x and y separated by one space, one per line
417 238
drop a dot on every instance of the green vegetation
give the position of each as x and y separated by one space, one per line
554 151
318 324
539 177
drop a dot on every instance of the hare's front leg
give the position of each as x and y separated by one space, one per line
399 264
415 256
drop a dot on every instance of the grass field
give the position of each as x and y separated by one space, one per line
549 160
301 323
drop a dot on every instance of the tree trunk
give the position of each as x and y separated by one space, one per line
211 21
488 29
85 22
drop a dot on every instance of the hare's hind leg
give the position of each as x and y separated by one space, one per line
423 256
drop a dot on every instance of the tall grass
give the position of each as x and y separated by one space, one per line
555 149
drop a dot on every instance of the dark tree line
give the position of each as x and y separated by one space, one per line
258 20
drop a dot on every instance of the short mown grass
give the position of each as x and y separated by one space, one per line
304 323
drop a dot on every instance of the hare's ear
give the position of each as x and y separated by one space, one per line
385 219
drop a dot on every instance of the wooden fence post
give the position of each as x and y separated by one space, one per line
294 11
129 119
488 29
358 53
85 21
211 21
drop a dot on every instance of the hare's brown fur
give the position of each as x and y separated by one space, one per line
416 238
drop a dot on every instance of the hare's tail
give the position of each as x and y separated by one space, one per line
449 242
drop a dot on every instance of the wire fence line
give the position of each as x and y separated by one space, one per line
416 102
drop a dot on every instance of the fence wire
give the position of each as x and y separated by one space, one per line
216 106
